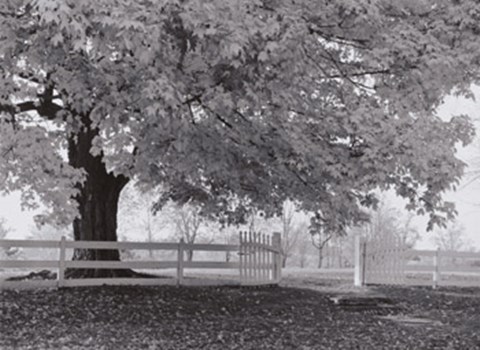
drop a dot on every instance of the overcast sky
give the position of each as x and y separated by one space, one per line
467 198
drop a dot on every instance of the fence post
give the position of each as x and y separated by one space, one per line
241 258
277 244
436 272
264 259
359 275
61 264
253 254
180 261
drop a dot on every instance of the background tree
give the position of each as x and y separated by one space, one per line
290 231
188 225
51 233
451 238
231 105
337 254
4 230
320 237
386 221
408 232
228 235
302 248
136 215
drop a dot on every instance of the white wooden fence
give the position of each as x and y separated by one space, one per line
260 258
389 262
446 268
259 262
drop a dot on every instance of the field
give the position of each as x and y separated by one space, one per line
309 311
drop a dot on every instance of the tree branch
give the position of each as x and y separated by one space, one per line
45 109
349 76
30 78
218 116
321 244
342 74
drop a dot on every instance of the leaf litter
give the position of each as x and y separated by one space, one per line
168 317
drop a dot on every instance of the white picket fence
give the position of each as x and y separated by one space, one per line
389 262
446 268
259 262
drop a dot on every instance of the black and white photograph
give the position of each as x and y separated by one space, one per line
239 174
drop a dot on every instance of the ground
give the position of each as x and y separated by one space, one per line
317 312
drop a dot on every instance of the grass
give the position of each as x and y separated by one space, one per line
298 315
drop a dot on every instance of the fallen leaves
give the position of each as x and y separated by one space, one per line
225 318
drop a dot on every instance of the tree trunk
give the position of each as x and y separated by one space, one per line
150 240
340 255
97 204
303 254
189 255
320 257
302 262
284 261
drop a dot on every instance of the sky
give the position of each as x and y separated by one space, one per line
467 197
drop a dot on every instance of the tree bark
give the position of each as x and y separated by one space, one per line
97 203
189 255
320 257
284 261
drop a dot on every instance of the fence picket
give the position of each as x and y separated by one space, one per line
387 262
250 256
246 254
254 255
241 256
264 259
277 256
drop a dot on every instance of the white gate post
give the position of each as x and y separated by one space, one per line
359 275
254 251
61 264
180 262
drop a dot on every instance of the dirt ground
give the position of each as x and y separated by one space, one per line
308 311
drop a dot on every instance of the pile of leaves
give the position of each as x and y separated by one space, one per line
41 275
233 318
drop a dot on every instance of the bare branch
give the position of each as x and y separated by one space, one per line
7 151
349 76
320 244
218 116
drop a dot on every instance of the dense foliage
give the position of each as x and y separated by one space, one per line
235 104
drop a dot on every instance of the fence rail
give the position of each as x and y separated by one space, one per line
259 262
408 272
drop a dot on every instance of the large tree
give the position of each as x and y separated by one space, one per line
234 104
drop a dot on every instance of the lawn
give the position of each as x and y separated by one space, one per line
298 315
